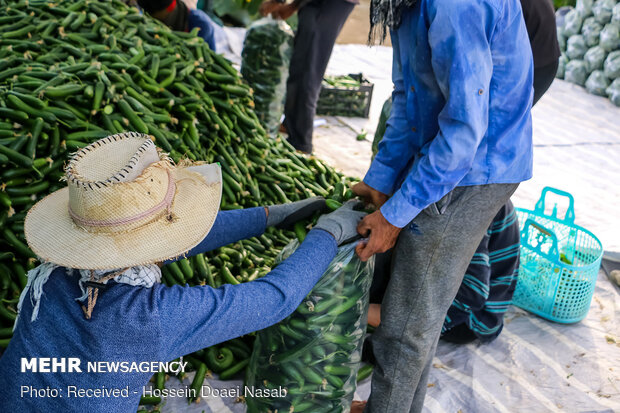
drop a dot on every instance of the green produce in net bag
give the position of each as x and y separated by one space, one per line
265 59
591 31
562 62
584 7
615 14
594 58
602 10
576 47
572 23
315 352
610 37
612 65
381 125
576 72
597 83
613 92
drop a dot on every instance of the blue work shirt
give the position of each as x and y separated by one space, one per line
463 78
200 19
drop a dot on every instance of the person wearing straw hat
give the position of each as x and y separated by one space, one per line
97 295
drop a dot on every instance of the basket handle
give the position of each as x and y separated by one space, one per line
553 254
569 217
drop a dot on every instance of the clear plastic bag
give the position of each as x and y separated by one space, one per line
610 37
265 59
613 92
602 10
562 42
591 31
315 352
584 7
612 65
576 47
597 83
572 23
562 62
594 58
576 72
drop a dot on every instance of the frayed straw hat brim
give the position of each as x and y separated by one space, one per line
53 236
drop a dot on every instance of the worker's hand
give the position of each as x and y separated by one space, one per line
380 233
268 7
342 223
369 194
285 11
285 215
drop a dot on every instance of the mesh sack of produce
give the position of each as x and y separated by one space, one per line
594 58
612 65
576 72
610 37
615 14
613 92
572 23
315 352
602 10
562 62
385 115
576 47
265 59
597 83
591 31
584 7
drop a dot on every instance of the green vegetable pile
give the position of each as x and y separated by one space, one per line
72 72
348 95
589 39
266 55
316 351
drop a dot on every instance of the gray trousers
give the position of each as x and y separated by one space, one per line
428 265
319 24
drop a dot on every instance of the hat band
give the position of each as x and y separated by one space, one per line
165 203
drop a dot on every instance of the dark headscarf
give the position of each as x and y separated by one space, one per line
177 19
386 15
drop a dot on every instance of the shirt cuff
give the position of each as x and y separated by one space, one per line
398 211
381 177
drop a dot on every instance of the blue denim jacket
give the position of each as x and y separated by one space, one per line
463 77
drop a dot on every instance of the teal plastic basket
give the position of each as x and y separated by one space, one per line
559 263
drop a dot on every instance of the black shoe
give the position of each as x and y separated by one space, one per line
460 334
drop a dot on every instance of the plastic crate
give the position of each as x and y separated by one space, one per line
350 102
559 263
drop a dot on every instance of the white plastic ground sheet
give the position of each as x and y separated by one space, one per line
535 365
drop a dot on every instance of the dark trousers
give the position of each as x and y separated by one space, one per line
320 22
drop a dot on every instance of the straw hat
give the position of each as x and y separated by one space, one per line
126 204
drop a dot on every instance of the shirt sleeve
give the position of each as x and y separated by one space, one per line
230 226
395 149
192 318
458 35
200 19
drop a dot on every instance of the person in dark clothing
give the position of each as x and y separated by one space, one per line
319 23
539 17
176 15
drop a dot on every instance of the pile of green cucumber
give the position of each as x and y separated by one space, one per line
315 352
72 72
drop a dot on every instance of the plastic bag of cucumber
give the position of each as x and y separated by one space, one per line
315 353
